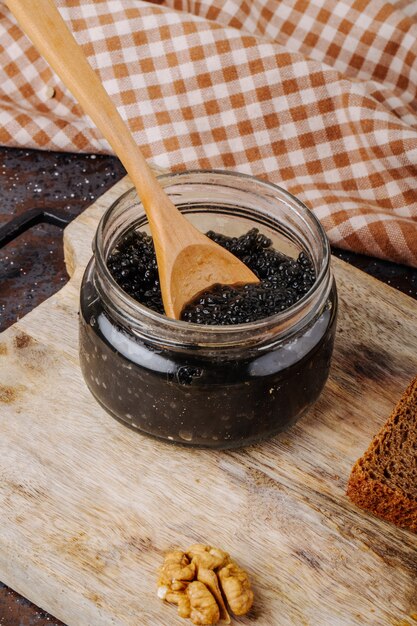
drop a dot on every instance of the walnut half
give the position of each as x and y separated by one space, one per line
204 608
176 568
200 581
236 587
206 556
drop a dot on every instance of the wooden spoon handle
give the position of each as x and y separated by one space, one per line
43 24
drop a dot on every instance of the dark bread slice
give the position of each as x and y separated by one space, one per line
384 479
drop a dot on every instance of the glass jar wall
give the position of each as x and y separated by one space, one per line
212 386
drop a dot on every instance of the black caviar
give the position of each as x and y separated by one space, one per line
283 280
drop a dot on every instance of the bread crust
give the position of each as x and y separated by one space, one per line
369 490
381 500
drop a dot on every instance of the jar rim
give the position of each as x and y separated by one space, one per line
136 313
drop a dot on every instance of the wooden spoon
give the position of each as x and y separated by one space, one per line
188 261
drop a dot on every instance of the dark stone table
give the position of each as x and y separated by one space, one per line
32 266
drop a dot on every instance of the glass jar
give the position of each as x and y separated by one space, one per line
211 386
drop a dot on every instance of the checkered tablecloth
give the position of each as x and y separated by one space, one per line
318 96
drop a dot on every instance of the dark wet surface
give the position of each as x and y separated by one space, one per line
32 267
398 276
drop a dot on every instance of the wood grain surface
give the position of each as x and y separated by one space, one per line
88 507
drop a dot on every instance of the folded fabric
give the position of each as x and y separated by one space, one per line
318 96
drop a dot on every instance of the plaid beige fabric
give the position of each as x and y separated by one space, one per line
318 96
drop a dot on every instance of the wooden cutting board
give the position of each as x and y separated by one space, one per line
88 507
